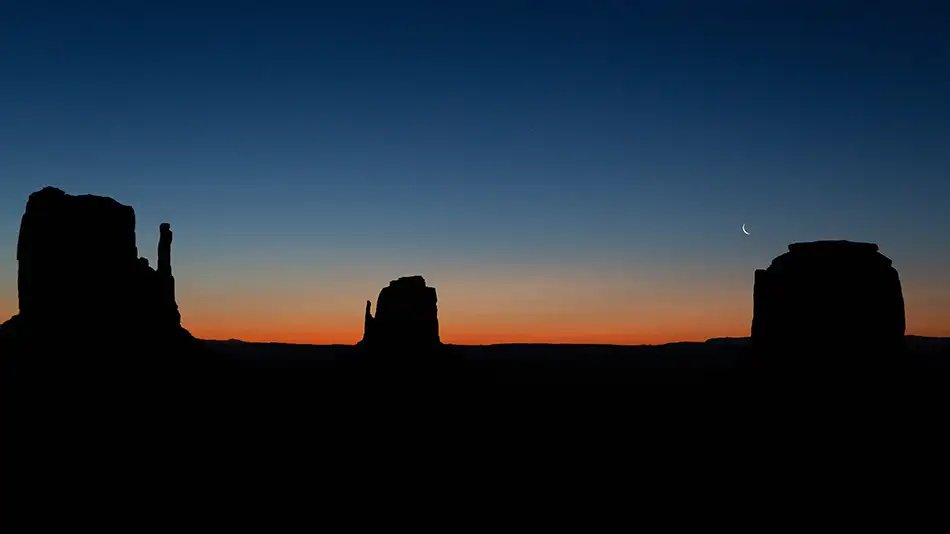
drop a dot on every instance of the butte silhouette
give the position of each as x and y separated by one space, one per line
84 293
828 304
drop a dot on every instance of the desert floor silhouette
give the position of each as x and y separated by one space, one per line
110 403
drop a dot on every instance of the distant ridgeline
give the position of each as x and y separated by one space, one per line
82 285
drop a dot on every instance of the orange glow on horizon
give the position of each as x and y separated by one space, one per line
349 330
464 338
486 337
649 325
511 307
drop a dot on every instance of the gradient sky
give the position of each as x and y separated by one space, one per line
559 171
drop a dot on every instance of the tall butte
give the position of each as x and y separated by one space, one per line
82 285
407 317
827 304
95 357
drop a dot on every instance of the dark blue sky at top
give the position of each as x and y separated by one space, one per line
489 131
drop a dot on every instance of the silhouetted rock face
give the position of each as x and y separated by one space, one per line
828 303
407 316
80 277
368 321
70 250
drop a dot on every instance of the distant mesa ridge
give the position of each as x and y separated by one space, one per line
842 296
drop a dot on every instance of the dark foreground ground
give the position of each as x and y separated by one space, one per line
317 435
688 362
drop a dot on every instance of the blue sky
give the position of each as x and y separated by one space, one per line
299 139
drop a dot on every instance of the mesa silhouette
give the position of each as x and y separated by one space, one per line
83 289
104 384
87 300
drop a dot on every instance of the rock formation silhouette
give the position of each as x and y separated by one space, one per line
95 357
111 435
81 283
828 304
407 317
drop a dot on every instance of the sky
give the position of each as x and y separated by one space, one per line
558 171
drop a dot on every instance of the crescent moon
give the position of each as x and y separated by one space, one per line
744 231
